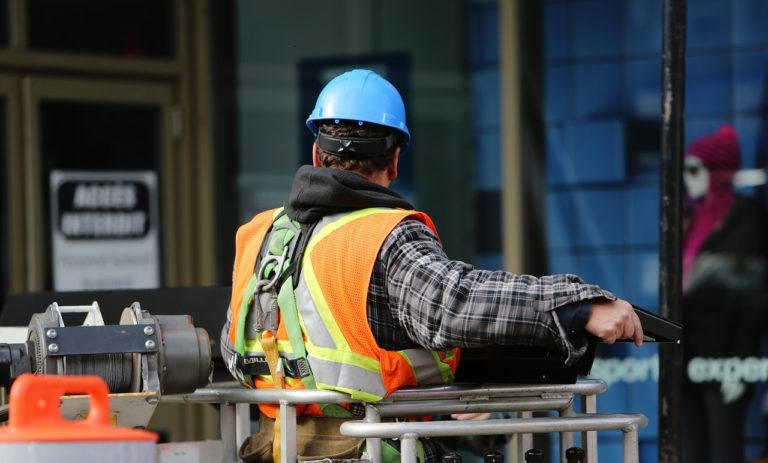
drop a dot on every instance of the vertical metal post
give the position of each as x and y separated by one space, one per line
670 248
227 419
408 452
242 423
589 438
287 432
566 437
526 439
373 444
631 450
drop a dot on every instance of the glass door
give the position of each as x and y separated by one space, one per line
101 180
11 274
5 269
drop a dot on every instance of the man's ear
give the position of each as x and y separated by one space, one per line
392 167
315 156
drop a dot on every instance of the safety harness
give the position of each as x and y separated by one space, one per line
271 297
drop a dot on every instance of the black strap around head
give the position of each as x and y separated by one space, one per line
360 148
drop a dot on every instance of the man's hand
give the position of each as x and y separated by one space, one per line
614 320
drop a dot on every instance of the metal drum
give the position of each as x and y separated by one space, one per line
37 432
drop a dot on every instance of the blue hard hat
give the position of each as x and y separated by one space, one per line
363 96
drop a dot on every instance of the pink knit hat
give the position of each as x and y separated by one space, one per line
718 151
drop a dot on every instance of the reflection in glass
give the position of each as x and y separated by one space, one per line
123 28
725 271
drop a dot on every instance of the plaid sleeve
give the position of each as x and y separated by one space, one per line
442 303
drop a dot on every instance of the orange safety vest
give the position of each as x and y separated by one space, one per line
331 297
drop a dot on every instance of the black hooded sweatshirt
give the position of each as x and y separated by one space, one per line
318 191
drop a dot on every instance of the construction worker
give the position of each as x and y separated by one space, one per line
368 302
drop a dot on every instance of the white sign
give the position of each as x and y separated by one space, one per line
104 229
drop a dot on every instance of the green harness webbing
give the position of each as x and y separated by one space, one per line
279 270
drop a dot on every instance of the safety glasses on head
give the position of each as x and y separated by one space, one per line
358 148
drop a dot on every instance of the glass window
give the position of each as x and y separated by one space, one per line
5 24
4 257
96 137
601 174
281 69
124 28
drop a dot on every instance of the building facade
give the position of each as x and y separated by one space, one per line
538 119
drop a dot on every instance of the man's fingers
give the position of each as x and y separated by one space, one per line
638 329
614 320
632 329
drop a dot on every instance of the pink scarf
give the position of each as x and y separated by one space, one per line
721 155
708 214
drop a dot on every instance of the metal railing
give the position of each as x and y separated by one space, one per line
523 399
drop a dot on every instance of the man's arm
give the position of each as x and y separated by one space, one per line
442 303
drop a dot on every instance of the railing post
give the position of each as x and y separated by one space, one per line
589 438
566 438
242 423
526 439
408 452
287 432
373 444
631 444
227 423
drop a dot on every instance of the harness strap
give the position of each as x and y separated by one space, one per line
256 365
248 299
268 342
277 273
273 360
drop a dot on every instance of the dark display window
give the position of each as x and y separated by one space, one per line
5 24
122 28
5 263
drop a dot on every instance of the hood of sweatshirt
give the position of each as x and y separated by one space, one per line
319 191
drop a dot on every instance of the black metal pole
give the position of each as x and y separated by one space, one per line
670 247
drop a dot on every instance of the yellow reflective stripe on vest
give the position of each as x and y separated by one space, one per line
254 346
333 355
308 272
323 309
309 315
359 383
335 225
445 370
424 366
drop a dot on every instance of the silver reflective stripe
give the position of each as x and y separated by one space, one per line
424 366
316 330
347 376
